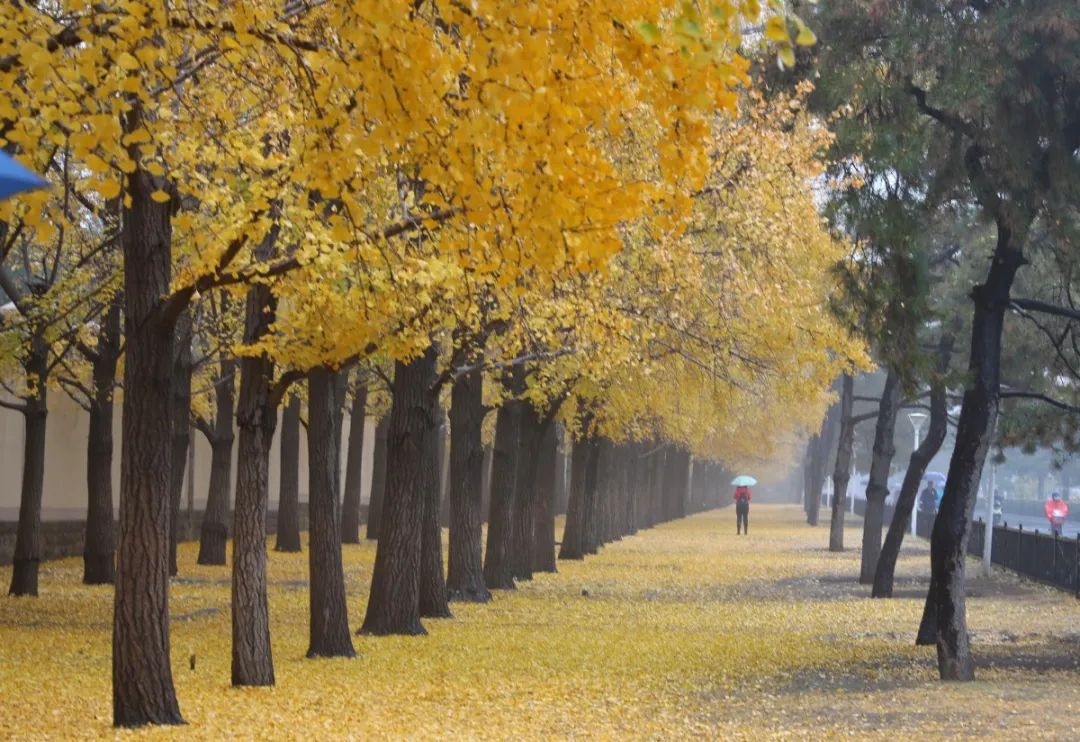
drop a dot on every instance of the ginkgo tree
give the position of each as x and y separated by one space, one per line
329 156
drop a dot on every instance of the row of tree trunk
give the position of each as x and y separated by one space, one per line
943 621
615 489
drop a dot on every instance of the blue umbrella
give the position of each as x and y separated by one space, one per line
935 478
744 481
14 178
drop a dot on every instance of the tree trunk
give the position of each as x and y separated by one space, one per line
434 599
329 624
181 437
562 466
603 500
878 487
99 549
394 603
354 465
215 525
675 481
820 464
948 546
28 542
288 514
920 459
465 580
143 691
582 491
842 470
378 479
498 568
252 661
543 552
660 469
523 513
808 475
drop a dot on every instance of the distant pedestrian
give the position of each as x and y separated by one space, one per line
927 498
742 510
1057 510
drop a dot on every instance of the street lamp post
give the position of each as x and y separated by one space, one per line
988 523
917 419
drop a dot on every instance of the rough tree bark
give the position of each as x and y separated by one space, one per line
434 599
214 533
523 513
99 548
543 551
920 459
28 542
808 473
394 603
582 461
946 609
354 467
594 498
378 479
329 618
288 514
820 463
181 426
498 568
659 466
675 483
256 417
842 470
143 691
465 580
877 489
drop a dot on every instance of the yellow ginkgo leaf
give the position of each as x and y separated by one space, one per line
776 29
127 61
160 196
109 188
96 164
805 36
786 55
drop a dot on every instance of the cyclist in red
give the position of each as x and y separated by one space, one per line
1057 510
742 510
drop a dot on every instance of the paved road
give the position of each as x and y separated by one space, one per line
1032 523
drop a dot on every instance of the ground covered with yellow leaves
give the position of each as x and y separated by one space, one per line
685 630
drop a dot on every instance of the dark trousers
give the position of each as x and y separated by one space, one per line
742 516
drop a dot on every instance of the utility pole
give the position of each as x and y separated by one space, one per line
988 521
917 419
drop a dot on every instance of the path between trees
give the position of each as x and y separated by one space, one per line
683 630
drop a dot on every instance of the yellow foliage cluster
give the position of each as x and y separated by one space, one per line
576 175
698 333
683 631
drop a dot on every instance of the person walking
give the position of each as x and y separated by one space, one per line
928 499
742 509
1057 510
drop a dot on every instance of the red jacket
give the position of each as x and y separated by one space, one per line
741 493
1056 511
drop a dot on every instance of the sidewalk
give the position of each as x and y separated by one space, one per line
683 631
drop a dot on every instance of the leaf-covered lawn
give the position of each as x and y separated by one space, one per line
686 630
